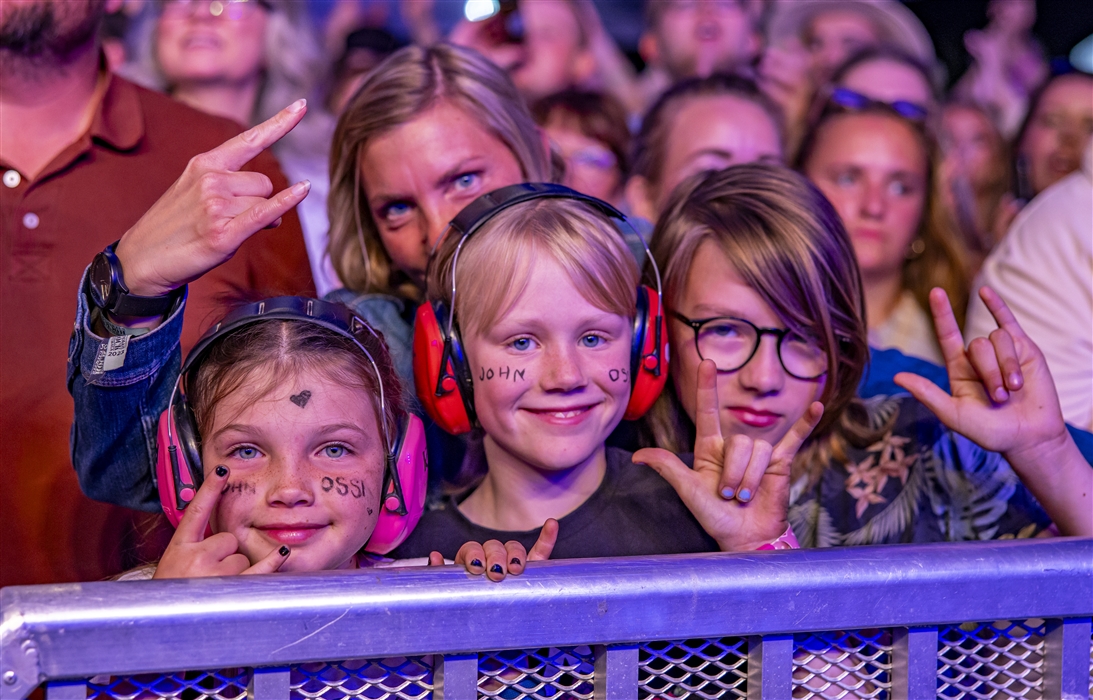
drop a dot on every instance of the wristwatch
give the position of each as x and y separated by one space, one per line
110 294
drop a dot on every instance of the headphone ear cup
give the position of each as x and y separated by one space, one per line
409 479
440 374
649 356
178 459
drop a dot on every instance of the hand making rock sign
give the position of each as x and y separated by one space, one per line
1004 399
738 489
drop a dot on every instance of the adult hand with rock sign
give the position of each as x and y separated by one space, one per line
209 212
191 554
1004 399
738 489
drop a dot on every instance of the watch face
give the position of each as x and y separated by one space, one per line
101 280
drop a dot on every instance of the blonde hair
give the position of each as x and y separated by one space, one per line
787 243
409 82
494 262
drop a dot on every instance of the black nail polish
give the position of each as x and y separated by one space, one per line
515 561
496 568
283 551
221 471
476 562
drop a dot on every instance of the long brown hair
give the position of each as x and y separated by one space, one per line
405 85
786 241
943 258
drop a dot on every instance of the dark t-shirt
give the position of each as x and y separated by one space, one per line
633 512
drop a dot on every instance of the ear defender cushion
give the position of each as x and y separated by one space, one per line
441 377
649 355
412 474
178 460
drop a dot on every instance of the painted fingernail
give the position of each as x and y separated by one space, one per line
515 561
1015 380
496 568
297 105
221 471
1000 394
283 551
727 493
301 187
476 562
744 495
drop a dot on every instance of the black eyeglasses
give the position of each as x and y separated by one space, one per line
856 102
732 342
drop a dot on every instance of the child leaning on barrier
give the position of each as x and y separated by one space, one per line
756 251
549 343
290 448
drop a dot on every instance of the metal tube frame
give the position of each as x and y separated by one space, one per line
64 634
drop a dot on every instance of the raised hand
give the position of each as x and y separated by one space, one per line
211 210
738 489
190 554
496 559
1003 397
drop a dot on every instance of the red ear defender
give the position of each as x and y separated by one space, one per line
649 356
439 371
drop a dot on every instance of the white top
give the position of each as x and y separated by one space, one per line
908 329
1043 269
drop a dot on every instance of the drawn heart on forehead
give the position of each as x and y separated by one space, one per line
301 399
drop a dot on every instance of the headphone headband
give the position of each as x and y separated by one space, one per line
334 317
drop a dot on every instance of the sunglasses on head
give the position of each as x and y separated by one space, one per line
856 102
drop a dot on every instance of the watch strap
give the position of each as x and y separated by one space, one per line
133 306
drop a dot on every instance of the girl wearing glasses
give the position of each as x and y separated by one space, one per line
877 167
760 279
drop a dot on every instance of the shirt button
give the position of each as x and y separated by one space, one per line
12 178
31 220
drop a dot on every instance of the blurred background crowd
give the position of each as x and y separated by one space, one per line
935 128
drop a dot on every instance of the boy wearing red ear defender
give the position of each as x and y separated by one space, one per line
540 339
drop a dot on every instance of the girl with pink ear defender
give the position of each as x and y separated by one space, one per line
286 447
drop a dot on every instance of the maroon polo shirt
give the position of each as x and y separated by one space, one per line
50 229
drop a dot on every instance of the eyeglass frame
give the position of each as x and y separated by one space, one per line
778 333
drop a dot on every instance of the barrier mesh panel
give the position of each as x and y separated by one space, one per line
991 659
401 678
558 673
693 668
853 664
222 684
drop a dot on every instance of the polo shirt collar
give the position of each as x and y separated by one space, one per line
119 121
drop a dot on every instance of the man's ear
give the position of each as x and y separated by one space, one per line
639 197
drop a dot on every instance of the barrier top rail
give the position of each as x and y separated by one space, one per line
79 630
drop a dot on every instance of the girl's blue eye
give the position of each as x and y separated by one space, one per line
396 210
591 340
334 451
899 188
521 344
246 452
844 179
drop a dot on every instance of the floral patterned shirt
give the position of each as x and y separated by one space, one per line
920 482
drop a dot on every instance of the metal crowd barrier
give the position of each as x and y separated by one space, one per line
998 619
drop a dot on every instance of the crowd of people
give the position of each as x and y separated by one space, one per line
491 294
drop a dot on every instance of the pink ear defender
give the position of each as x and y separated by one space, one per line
179 470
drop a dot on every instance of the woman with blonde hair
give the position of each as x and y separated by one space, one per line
756 251
879 169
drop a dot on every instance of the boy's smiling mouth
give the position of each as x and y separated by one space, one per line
565 415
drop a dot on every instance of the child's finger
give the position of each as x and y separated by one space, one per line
516 556
757 466
670 468
930 395
985 362
496 560
1001 312
791 442
707 409
472 556
737 453
949 337
1005 349
195 519
436 559
544 546
232 565
271 562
